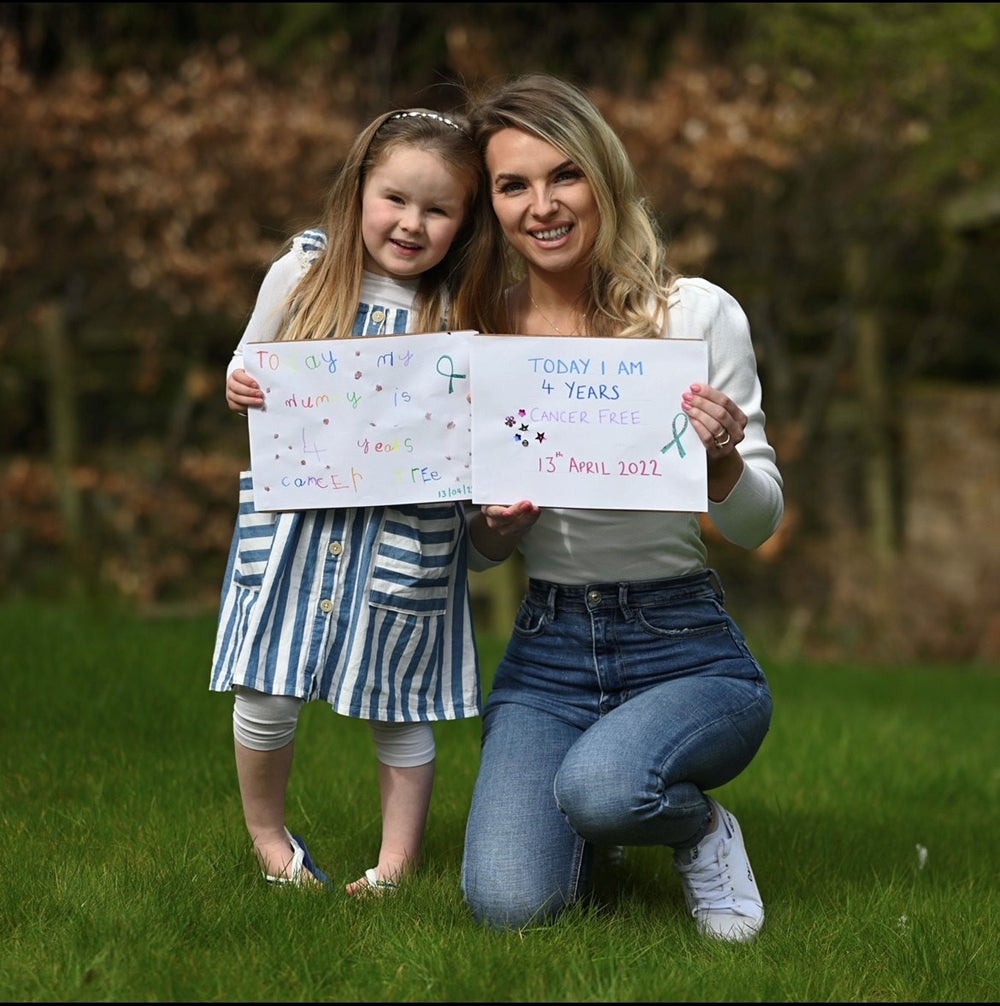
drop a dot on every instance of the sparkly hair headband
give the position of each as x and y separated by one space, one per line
420 114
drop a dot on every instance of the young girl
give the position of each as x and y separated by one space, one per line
309 610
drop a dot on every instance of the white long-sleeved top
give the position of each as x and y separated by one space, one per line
579 546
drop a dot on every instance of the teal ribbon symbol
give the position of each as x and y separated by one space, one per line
451 375
678 433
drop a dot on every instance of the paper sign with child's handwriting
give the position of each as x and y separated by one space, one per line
587 422
360 422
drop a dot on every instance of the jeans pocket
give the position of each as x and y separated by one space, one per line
530 619
416 558
698 617
255 533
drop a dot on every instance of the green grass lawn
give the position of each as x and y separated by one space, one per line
870 815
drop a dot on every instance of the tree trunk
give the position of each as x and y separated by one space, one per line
876 434
63 439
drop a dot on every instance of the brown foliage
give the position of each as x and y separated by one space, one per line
139 211
183 186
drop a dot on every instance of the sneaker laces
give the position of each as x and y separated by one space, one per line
707 878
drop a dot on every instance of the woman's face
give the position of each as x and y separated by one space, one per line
545 205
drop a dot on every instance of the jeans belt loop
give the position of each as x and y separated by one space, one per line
713 579
550 604
623 601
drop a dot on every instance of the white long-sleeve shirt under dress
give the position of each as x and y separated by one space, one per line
580 546
366 608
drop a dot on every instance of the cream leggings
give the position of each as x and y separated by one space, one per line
267 722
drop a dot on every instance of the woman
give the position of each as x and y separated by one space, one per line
626 691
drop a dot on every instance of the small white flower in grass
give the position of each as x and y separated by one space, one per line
903 920
921 856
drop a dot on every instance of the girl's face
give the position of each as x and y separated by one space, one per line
545 205
412 206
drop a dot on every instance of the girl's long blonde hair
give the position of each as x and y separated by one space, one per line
630 278
324 303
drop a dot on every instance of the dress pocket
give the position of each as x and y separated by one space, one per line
416 558
255 531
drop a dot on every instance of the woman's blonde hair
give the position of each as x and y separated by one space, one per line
629 275
324 303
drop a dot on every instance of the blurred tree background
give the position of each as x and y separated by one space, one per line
835 166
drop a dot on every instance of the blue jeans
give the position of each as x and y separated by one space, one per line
615 706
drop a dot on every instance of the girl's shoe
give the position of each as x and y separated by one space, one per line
370 886
301 860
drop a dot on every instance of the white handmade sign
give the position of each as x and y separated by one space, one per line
361 421
586 422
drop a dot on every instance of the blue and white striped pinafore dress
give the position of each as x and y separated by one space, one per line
367 607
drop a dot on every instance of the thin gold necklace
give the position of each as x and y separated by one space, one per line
555 327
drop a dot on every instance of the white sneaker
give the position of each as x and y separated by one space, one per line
718 883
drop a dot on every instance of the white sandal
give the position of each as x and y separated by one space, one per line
371 885
293 871
300 860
